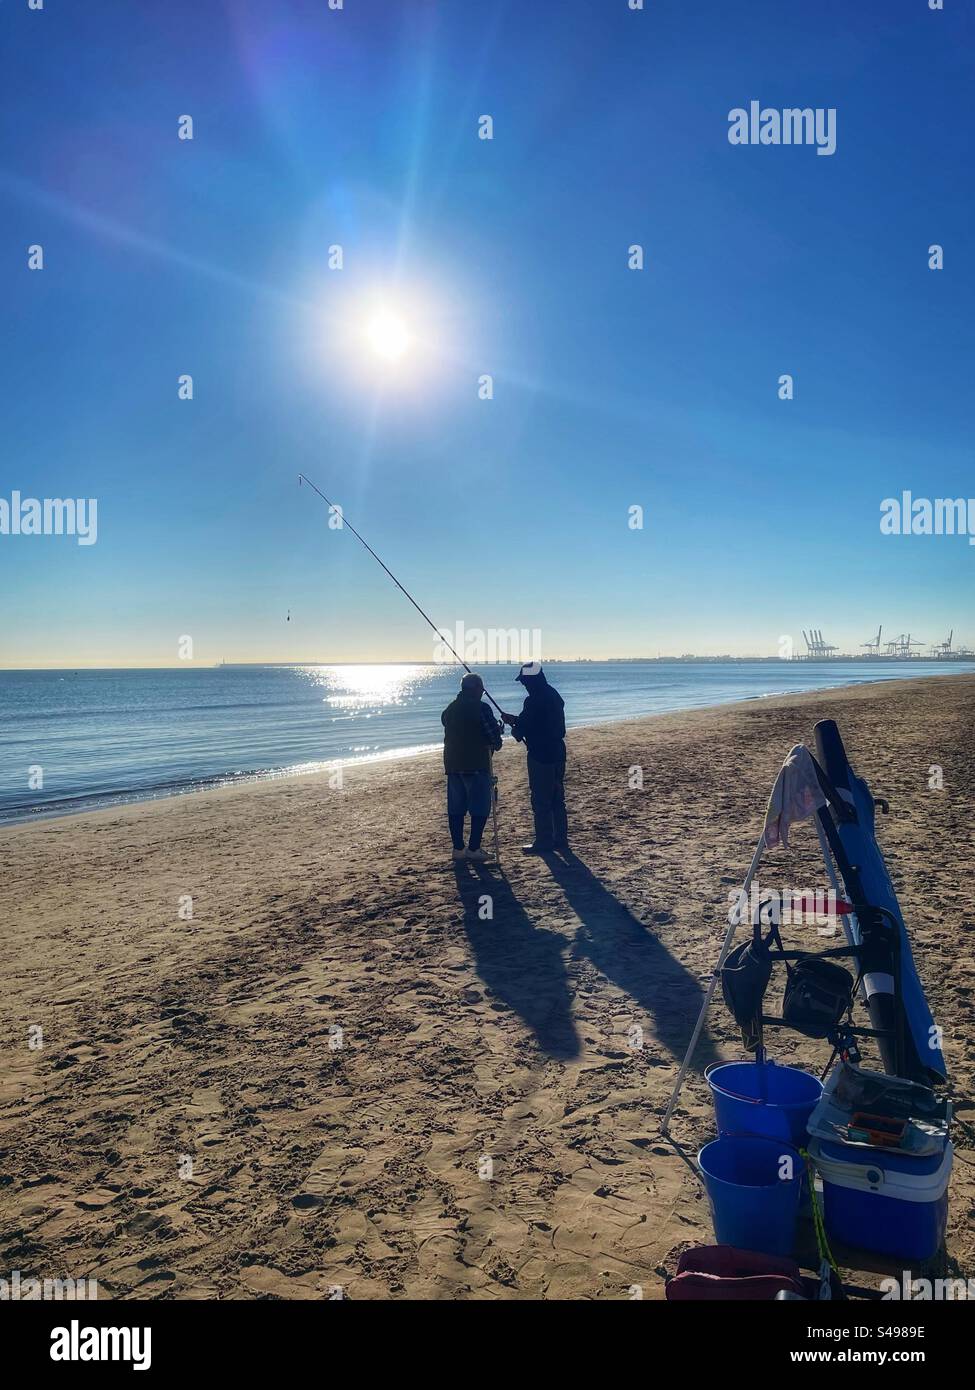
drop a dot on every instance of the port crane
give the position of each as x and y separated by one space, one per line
816 644
873 645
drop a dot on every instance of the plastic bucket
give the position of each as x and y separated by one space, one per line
753 1194
764 1100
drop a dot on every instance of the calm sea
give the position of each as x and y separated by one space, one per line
100 738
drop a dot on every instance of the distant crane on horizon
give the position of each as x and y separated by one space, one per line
816 644
874 644
943 649
901 646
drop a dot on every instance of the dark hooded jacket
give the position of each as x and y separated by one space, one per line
471 733
541 724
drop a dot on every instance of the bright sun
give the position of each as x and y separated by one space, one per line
388 335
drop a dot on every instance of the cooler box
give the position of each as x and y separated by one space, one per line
883 1201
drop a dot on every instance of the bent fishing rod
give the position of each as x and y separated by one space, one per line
303 478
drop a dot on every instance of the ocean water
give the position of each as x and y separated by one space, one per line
105 737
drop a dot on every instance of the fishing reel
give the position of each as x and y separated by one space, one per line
845 1045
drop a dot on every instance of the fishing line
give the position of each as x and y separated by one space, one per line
427 619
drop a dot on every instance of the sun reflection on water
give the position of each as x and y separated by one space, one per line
360 688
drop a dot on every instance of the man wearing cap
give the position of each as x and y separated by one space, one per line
471 734
541 727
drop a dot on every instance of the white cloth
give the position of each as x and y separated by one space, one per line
795 796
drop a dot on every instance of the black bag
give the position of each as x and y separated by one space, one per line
817 995
744 980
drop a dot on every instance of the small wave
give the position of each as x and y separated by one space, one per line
83 802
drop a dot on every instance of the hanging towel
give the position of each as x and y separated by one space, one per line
795 796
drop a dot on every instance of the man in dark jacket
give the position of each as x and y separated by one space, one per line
541 727
471 734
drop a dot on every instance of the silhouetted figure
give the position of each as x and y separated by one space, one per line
471 735
541 727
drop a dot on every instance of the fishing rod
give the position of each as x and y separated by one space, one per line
302 478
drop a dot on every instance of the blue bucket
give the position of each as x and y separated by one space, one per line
763 1099
752 1205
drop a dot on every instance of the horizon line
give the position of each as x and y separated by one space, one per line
685 657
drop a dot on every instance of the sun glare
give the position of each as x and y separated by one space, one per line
388 335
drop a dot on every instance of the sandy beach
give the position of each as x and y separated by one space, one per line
339 1074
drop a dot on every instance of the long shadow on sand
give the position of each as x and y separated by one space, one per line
626 951
521 964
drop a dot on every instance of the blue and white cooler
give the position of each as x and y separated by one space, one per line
883 1200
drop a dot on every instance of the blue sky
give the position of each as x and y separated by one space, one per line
611 387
